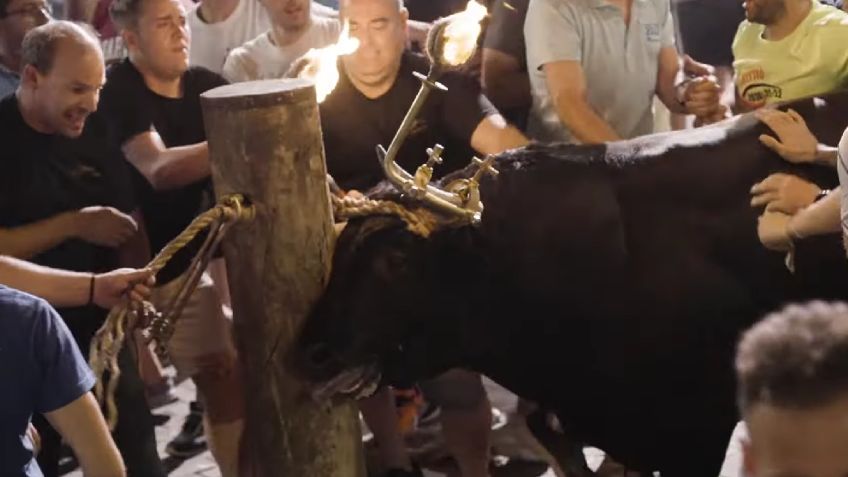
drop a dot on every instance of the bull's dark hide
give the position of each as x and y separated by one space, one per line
609 283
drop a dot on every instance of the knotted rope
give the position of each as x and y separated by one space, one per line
109 340
420 222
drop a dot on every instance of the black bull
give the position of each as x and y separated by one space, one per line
607 283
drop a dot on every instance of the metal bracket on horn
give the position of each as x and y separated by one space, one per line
459 198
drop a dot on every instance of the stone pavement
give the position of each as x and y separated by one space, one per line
512 439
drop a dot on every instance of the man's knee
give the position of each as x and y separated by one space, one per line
218 379
456 390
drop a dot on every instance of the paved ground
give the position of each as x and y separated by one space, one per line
512 440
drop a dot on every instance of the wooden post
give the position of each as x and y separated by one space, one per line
265 142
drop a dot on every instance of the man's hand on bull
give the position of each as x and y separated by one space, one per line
794 142
784 193
775 231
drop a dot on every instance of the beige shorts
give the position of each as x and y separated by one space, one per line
202 330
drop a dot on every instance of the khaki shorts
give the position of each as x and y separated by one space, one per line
202 330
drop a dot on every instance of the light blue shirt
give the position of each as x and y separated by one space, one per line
620 62
9 81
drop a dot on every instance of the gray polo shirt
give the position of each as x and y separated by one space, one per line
8 81
620 62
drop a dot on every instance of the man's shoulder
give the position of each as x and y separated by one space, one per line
825 19
747 32
121 77
201 79
22 311
121 70
571 6
252 48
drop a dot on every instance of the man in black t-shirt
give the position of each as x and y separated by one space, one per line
65 203
374 93
153 99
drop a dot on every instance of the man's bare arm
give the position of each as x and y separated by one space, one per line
81 425
32 239
494 135
566 83
167 168
64 288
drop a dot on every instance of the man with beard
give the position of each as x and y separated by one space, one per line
153 99
65 204
784 51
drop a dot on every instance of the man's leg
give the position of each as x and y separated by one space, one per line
134 435
380 415
202 347
466 417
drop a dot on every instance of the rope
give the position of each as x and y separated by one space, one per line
420 222
107 343
109 340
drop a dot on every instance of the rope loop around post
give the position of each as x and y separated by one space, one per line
126 317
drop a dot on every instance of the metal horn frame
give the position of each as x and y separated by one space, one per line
459 198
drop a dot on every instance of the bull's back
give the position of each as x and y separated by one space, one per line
647 254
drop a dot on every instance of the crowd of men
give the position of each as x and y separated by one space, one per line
102 167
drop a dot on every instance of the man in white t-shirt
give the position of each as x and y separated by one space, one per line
294 31
219 26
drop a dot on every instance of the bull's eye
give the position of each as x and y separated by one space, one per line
391 265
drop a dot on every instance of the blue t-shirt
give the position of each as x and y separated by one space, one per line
41 369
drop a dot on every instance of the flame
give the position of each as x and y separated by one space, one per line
321 63
462 32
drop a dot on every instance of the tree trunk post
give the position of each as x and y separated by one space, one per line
265 142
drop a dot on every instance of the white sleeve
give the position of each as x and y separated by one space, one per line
842 170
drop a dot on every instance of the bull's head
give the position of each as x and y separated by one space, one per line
391 308
388 304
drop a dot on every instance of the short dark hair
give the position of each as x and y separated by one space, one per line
39 45
125 13
796 358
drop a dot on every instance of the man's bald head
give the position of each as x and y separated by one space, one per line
41 44
61 77
344 3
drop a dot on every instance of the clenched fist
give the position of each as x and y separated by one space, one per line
104 226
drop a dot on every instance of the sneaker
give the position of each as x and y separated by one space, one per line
191 440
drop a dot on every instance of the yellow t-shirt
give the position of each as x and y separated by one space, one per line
812 60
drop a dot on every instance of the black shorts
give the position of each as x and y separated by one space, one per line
705 29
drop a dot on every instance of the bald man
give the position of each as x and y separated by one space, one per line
66 204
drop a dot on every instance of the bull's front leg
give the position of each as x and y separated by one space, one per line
566 450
